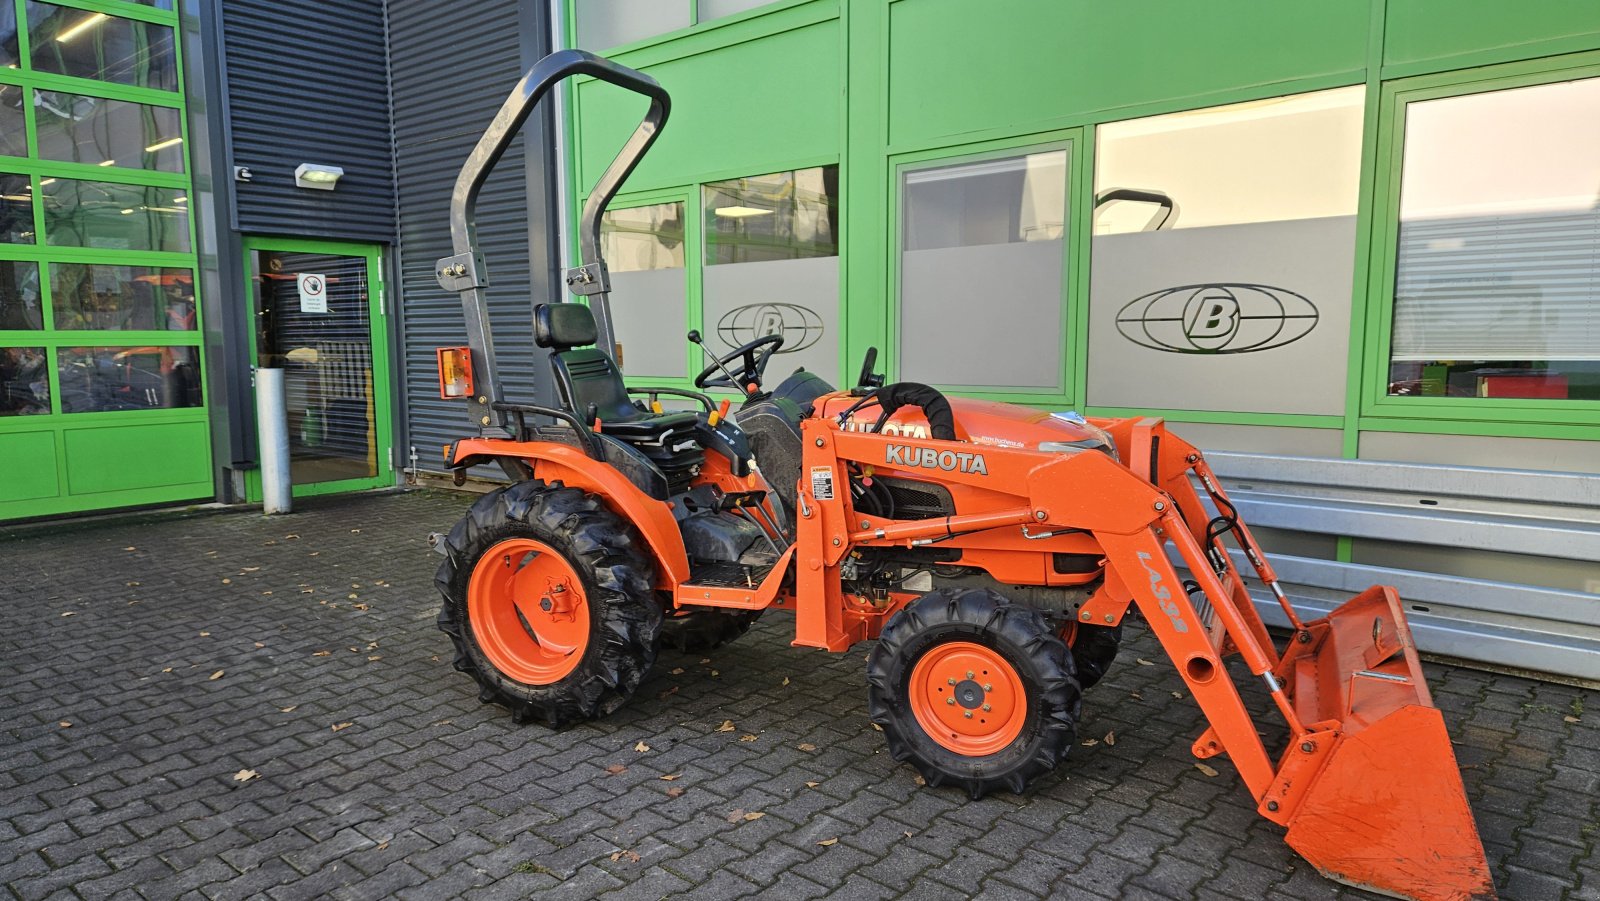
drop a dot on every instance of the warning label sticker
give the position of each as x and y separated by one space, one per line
822 483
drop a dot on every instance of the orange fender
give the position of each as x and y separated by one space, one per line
572 467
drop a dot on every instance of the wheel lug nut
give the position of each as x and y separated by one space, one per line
969 714
950 701
986 708
951 681
988 687
969 674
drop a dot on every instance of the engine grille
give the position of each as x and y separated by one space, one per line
918 500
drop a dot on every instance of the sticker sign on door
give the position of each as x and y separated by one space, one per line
313 292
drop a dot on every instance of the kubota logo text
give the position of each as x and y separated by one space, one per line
1163 596
1217 319
928 458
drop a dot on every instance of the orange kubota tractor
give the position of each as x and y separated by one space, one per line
993 551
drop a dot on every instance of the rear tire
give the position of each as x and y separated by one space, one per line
701 631
516 549
974 691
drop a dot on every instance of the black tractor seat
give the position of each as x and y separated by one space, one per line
586 377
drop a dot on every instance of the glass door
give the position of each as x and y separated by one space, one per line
318 312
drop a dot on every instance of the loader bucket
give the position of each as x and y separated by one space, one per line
1386 811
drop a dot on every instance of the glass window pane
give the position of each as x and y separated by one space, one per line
716 9
16 209
100 296
21 303
643 247
603 24
10 57
1223 256
76 128
24 381
1499 246
13 127
99 379
771 249
68 41
126 217
966 229
782 216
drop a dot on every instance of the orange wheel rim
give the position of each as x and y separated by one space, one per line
527 611
968 698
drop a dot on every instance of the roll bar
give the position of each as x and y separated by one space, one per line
464 272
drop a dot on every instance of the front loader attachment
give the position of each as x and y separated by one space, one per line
1386 810
1367 784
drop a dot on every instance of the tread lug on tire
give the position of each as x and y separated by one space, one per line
1093 650
974 691
548 600
700 631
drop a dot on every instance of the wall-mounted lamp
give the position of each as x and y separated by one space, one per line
321 178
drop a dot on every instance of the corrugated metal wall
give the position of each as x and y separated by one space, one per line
449 74
308 83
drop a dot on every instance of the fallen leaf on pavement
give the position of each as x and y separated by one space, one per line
1177 694
812 784
70 613
130 548
1089 742
227 581
919 780
727 726
754 815
677 671
205 634
1571 719
65 724
321 653
876 727
290 709
216 675
1205 769
630 856
675 792
251 569
1142 662
382 845
1136 696
245 775
785 680
705 659
806 746
748 737
616 769
167 670
1111 738
736 815
375 657
714 673
261 644
361 606
641 747
828 842
338 726
670 777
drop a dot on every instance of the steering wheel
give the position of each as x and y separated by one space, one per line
752 358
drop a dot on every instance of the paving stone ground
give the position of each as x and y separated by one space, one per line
146 662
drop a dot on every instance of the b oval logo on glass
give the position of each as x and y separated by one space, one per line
800 327
1217 318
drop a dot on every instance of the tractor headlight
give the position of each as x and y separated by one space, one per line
1100 440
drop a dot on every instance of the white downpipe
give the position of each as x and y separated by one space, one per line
272 429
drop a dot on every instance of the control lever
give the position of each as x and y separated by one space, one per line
694 338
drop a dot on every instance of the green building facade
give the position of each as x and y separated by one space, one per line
1350 248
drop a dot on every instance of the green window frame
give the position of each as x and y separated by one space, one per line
1524 417
1075 257
39 173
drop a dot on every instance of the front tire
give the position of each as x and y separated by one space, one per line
974 691
548 601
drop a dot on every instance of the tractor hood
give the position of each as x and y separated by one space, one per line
983 422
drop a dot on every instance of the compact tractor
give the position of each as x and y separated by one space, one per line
994 552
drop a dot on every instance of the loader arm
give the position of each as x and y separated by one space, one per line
1365 782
